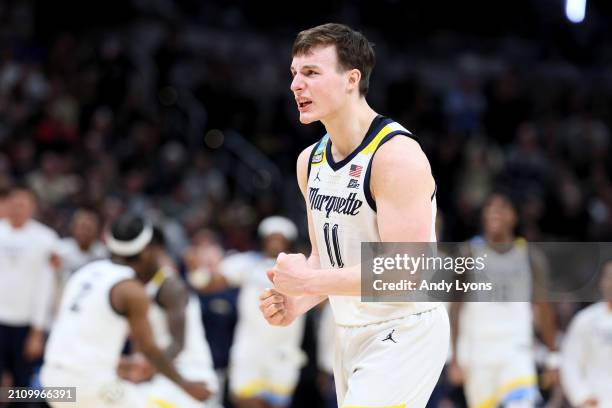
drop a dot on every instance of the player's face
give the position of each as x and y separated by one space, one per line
85 228
498 217
21 206
606 282
274 244
319 85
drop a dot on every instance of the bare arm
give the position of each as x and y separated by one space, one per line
173 297
400 187
130 298
546 319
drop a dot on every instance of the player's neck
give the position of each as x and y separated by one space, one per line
84 246
610 306
348 126
18 224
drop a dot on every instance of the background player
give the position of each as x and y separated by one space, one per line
27 263
102 303
493 341
265 361
384 197
587 351
83 245
176 320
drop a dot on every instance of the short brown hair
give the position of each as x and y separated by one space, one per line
352 48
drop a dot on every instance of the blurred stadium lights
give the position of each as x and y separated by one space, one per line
575 10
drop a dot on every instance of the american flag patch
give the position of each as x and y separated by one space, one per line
355 170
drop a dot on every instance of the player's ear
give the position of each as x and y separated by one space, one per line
354 76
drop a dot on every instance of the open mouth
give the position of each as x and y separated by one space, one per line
304 104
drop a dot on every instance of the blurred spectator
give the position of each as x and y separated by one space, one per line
27 261
587 351
83 245
264 361
51 184
219 310
464 106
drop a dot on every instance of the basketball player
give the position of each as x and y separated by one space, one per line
176 319
102 303
586 355
493 354
83 246
265 361
367 179
27 261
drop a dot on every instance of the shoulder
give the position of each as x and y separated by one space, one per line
42 231
172 291
401 163
303 161
129 290
401 151
304 156
585 317
590 312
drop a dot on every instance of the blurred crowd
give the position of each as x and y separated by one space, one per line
194 125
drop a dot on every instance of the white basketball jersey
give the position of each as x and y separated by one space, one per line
344 215
89 334
195 360
498 325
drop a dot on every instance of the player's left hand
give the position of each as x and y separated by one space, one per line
291 274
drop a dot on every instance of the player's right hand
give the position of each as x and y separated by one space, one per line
197 389
278 309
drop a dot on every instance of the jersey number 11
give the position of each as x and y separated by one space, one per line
332 240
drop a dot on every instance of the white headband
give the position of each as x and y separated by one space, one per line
133 247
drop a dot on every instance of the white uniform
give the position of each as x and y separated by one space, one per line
85 344
193 363
326 340
26 274
265 360
369 369
586 367
73 257
495 346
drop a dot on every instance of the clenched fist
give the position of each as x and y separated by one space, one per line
291 274
278 309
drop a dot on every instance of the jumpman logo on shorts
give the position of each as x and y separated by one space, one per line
317 178
390 337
